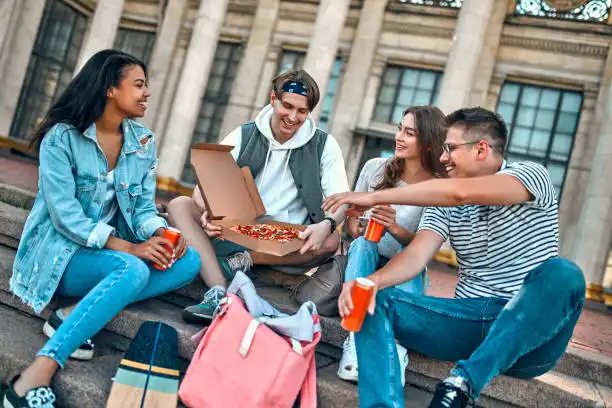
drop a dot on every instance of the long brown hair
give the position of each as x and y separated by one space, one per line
430 134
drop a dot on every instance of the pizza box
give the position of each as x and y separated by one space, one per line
231 198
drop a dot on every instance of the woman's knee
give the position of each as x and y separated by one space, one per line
135 270
362 245
179 208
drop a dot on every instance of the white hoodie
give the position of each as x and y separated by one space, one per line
275 181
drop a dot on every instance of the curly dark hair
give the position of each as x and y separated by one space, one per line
431 134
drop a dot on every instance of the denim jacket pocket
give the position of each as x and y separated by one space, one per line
134 191
85 192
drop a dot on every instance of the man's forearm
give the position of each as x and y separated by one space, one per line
495 189
439 193
401 268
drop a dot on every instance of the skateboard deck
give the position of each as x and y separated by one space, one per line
148 375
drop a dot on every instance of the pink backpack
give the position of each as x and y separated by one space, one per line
241 362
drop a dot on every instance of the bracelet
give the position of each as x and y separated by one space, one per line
333 223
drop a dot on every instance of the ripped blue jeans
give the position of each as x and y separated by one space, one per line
486 336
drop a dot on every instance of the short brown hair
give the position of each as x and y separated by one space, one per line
480 123
298 75
431 134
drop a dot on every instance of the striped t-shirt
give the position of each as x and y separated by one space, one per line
497 246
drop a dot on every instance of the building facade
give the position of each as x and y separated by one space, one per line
545 65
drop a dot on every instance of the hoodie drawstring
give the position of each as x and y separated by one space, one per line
284 172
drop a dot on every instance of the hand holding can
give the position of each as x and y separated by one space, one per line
375 230
361 294
172 235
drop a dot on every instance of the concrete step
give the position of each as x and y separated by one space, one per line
423 372
550 390
12 220
595 371
80 384
87 384
16 197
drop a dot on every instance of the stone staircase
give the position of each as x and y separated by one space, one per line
581 379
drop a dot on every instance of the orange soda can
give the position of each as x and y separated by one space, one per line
374 231
361 295
172 235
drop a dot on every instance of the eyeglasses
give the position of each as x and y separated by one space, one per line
448 148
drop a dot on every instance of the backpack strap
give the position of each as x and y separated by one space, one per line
308 393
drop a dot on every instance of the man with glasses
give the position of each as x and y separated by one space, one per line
516 302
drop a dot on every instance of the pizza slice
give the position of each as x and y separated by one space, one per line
268 232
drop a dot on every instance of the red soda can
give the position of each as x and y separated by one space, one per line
374 231
172 235
361 294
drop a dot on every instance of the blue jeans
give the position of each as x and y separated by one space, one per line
108 281
364 260
523 337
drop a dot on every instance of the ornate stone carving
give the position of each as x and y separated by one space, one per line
581 10
421 30
565 5
435 3
556 46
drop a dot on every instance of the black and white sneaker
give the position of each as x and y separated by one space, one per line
39 397
85 350
451 393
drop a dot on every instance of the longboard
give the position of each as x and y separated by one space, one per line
148 375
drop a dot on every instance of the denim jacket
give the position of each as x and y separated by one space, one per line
68 206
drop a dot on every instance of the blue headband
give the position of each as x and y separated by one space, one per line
295 87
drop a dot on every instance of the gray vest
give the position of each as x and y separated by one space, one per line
304 163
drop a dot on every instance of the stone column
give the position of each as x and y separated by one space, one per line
191 87
102 30
463 61
9 10
248 77
161 59
353 158
593 235
165 105
262 97
357 72
15 58
488 56
323 46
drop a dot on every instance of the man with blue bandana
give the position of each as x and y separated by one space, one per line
295 166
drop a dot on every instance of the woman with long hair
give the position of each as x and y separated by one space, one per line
418 146
94 232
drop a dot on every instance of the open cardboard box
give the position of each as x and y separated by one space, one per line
231 198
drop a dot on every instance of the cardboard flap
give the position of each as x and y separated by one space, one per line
215 170
249 182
